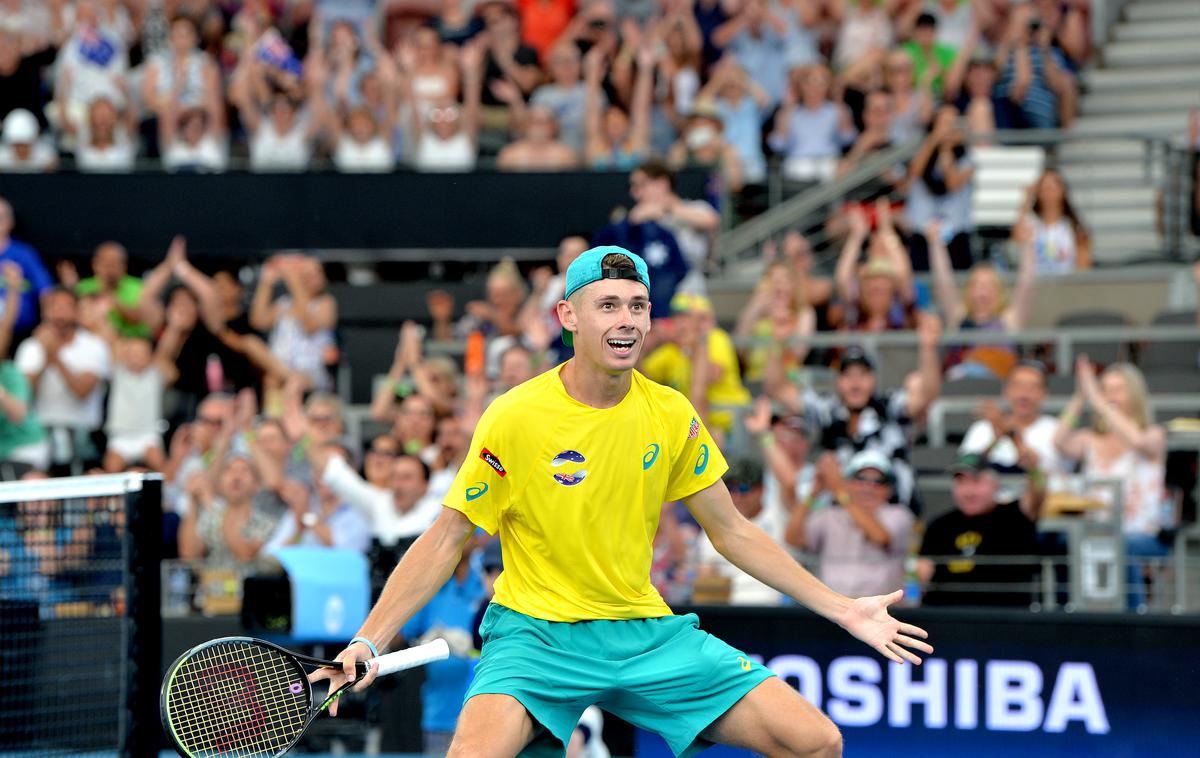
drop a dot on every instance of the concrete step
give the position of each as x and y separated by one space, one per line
1145 53
1093 198
1158 10
1171 29
1158 123
1124 79
1117 248
1130 218
1101 151
1111 174
1140 101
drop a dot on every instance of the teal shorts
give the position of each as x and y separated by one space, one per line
664 675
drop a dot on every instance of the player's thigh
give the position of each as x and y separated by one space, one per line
491 726
774 720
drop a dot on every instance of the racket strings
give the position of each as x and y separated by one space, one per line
237 700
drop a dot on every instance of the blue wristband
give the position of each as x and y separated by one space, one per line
370 645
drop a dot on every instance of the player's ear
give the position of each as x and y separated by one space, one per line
566 314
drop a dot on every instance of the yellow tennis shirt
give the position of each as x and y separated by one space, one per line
575 493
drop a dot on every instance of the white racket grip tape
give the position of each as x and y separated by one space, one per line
400 660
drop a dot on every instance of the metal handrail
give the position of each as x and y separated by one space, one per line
1063 339
737 242
935 418
747 237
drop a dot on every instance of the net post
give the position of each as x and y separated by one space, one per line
141 736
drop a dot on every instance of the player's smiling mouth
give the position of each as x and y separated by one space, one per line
621 346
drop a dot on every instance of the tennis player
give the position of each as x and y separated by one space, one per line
572 469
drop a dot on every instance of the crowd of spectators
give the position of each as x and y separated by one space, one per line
226 381
371 85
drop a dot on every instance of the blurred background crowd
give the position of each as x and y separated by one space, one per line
237 381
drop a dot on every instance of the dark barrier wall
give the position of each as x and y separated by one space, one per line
247 214
998 684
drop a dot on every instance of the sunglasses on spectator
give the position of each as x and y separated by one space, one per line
877 480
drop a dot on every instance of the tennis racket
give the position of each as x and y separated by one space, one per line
240 697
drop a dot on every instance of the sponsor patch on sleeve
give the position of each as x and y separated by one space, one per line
490 459
694 429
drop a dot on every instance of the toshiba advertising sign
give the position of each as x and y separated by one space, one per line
998 684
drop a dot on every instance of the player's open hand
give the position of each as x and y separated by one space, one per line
354 654
868 620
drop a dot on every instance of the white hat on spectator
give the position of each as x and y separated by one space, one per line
20 127
869 459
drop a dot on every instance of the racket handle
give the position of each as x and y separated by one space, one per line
400 660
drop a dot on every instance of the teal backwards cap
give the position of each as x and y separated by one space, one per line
588 268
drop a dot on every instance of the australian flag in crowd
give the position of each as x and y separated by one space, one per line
277 53
95 48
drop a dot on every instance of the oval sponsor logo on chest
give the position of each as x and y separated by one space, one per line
569 458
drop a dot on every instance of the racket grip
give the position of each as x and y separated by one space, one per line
400 660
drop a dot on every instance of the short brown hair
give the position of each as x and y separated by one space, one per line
656 169
617 261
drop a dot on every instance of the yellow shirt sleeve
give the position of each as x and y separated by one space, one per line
482 489
696 461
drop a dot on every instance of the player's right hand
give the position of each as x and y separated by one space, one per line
349 657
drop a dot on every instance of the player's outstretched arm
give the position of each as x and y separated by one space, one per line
423 570
753 551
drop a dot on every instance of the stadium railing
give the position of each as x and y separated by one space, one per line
1165 163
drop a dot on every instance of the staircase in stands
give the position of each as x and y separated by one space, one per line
1146 79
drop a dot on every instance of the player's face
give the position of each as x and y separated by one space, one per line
611 319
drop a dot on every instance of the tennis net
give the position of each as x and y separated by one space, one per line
80 626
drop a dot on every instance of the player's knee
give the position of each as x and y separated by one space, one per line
471 747
829 742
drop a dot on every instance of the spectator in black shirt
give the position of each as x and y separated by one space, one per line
22 62
999 534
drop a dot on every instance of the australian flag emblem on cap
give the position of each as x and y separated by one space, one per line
694 429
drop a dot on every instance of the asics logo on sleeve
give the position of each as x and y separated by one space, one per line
702 461
476 491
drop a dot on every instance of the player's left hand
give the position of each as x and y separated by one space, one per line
868 620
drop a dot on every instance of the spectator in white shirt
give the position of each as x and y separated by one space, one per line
103 144
1022 439
192 141
135 403
453 441
745 482
319 519
91 64
445 137
401 511
269 102
67 366
22 150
